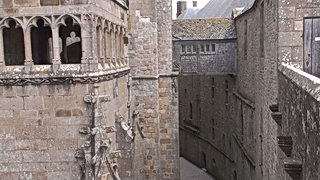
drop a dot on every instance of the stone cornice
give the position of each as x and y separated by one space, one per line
55 80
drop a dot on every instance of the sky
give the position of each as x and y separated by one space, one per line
201 4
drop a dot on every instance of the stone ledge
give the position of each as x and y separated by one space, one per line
86 78
305 81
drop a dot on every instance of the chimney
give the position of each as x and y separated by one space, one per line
195 4
181 6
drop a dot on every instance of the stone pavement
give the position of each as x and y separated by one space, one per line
188 171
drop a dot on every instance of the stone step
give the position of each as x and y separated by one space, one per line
285 143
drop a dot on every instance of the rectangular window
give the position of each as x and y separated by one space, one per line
189 49
245 39
183 48
194 48
190 111
213 47
207 47
202 47
212 88
213 130
226 92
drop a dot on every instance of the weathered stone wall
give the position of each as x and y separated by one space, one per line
206 133
221 61
291 16
256 82
40 127
299 106
154 91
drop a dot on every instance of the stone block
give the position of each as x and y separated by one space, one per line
63 113
26 2
49 2
6 3
287 12
298 25
31 132
33 102
77 112
286 25
290 39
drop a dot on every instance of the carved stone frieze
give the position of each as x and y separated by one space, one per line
21 81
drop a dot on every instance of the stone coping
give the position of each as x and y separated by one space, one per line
307 82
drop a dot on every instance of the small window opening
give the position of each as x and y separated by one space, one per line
189 49
235 175
207 48
183 48
190 111
213 130
70 42
194 48
202 48
14 53
41 42
212 88
226 92
185 93
204 160
213 47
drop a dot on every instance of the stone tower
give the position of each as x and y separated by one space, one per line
154 90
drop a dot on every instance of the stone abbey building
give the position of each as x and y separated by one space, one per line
72 105
262 121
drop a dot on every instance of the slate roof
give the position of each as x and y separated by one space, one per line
189 13
222 8
203 29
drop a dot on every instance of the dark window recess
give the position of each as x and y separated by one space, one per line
189 49
245 39
212 88
194 47
207 48
204 160
183 48
202 48
190 111
41 42
213 133
185 93
226 92
70 35
213 47
235 175
13 45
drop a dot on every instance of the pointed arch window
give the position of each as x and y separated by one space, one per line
14 52
70 42
41 42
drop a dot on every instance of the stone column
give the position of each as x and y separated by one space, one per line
28 62
113 48
94 43
86 43
2 61
56 62
101 46
107 48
